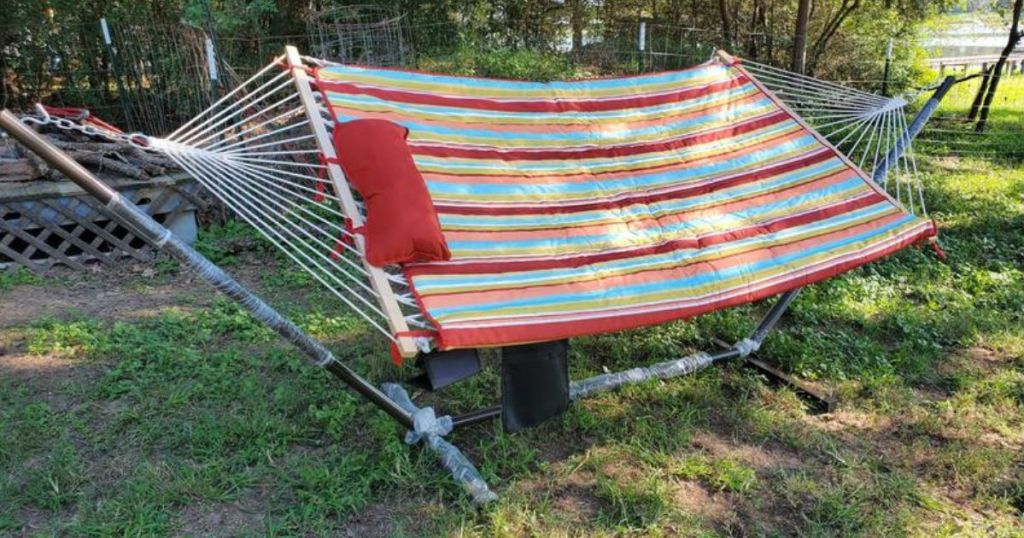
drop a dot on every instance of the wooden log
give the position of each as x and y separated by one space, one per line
105 163
17 170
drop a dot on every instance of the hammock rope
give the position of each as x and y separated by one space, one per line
255 150
865 127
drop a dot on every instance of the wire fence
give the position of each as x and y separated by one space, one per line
951 132
153 77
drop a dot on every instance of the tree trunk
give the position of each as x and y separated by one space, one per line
803 14
831 27
757 29
723 12
997 71
980 96
576 15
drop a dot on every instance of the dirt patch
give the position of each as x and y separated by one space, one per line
225 519
759 457
406 516
119 295
49 376
694 498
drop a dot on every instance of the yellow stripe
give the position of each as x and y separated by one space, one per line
556 250
601 137
467 116
438 287
676 293
469 89
672 156
611 219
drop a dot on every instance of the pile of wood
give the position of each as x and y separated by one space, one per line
100 155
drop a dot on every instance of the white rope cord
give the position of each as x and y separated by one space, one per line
406 299
243 157
293 112
273 143
248 210
229 112
866 127
283 152
761 69
245 142
265 203
291 205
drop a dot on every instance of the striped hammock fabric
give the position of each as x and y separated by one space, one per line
576 208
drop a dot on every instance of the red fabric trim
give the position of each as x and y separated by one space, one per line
510 335
529 106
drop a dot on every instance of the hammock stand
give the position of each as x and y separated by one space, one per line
423 424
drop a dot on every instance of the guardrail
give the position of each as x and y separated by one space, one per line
1014 63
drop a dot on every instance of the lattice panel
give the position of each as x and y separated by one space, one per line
51 228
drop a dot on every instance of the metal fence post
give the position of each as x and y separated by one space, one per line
111 57
641 45
211 53
888 67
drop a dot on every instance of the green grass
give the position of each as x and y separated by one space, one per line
196 420
17 276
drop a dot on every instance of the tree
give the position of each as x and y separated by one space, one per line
803 15
577 19
833 22
723 13
997 71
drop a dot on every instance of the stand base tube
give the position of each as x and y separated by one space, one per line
430 430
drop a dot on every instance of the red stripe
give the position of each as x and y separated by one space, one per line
498 336
560 105
641 197
690 242
683 162
684 141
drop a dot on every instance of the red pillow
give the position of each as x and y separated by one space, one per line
401 223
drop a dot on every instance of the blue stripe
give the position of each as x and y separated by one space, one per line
431 283
442 164
561 220
693 281
638 82
423 132
753 160
359 101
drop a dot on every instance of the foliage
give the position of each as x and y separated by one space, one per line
502 63
53 51
17 276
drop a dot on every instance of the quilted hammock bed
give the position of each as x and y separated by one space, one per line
576 208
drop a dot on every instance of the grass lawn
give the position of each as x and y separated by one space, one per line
137 402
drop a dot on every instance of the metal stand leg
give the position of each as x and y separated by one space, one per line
821 402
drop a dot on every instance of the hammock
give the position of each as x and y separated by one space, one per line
570 208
